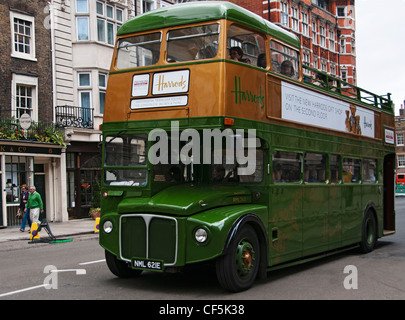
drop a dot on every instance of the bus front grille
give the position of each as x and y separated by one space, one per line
149 237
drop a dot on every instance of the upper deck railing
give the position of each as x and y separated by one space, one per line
322 80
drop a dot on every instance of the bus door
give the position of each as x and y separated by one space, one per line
389 206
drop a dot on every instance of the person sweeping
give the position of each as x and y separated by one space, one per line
35 205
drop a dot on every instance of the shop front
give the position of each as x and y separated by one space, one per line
32 163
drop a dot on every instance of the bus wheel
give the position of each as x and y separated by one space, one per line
237 269
369 233
120 268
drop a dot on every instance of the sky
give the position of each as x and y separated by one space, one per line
380 48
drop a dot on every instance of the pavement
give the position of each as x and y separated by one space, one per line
58 229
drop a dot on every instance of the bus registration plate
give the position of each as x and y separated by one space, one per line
146 264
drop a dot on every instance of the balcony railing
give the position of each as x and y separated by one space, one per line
78 117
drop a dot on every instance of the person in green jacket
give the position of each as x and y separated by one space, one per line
35 205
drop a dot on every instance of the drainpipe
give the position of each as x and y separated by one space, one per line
55 190
52 15
268 10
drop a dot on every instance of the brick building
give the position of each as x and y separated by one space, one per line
326 29
25 60
26 91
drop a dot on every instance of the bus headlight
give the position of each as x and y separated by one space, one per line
107 226
201 235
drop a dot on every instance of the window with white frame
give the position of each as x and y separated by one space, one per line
324 65
344 75
294 19
331 40
341 11
102 87
322 36
24 91
305 26
82 20
82 24
400 139
22 36
148 5
333 69
314 33
84 85
401 160
109 19
342 45
284 14
82 6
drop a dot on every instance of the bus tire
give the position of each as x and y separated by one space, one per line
120 268
238 268
369 232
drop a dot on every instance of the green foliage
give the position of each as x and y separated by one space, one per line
41 132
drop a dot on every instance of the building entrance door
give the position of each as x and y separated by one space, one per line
40 186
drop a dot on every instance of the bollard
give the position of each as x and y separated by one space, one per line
97 226
34 231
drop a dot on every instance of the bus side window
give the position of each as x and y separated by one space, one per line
351 170
246 43
315 167
334 163
286 167
284 60
369 170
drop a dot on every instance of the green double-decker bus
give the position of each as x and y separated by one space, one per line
220 146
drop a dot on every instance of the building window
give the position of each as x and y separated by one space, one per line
344 75
84 79
401 160
333 69
400 139
84 85
19 171
102 86
82 20
331 40
284 14
24 96
342 45
322 37
314 36
22 36
294 20
82 6
305 26
109 19
324 65
341 11
82 28
148 5
23 99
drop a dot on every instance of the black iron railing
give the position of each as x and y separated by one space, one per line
71 116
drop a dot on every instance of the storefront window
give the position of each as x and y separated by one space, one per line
19 171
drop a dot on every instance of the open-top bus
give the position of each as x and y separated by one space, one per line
254 164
